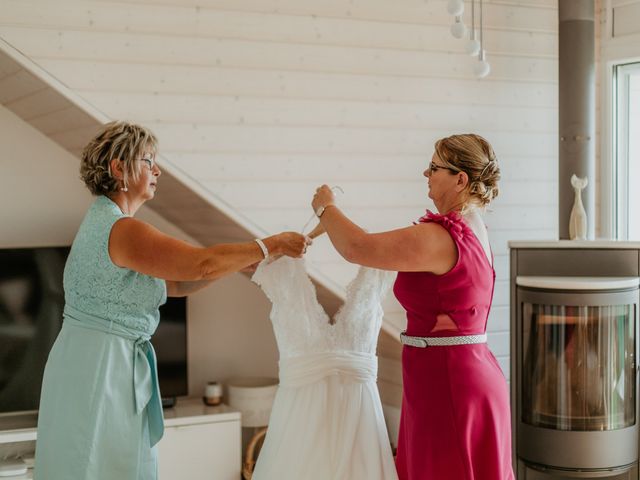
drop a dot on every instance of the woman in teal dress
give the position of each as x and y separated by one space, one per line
100 411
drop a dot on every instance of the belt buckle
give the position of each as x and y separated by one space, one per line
413 341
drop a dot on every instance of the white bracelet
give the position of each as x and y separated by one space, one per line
263 247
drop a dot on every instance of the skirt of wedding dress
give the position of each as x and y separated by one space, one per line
327 422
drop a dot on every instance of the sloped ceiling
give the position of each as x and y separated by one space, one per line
52 108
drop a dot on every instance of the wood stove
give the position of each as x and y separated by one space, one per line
574 369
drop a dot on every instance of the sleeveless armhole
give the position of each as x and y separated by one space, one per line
106 252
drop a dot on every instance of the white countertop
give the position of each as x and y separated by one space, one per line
189 411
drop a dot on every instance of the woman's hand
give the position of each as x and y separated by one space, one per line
324 197
291 244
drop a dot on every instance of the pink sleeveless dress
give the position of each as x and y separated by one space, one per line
455 422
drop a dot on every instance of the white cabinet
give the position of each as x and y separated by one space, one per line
199 442
18 438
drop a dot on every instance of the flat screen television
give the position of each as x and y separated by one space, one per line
31 306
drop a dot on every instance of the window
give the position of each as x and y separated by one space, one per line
626 151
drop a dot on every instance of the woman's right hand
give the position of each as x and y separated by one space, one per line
291 244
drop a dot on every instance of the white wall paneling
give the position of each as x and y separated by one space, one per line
257 102
625 17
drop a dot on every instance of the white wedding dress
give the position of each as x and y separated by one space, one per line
327 421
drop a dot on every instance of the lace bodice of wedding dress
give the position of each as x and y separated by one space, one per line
300 323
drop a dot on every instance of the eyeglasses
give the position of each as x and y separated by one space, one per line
150 161
432 168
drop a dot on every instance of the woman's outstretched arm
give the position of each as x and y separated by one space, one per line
141 247
423 247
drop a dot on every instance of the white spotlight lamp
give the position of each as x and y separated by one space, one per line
455 7
482 68
458 29
473 46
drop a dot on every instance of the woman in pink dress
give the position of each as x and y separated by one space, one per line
455 422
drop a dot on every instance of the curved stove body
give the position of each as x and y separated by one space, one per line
574 371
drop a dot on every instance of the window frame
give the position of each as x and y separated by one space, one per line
614 51
620 144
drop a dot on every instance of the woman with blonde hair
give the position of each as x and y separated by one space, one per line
100 411
455 421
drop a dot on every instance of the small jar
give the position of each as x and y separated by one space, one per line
212 394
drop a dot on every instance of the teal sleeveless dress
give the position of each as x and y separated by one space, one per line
100 409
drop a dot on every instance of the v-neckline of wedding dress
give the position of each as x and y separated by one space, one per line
350 291
300 322
332 320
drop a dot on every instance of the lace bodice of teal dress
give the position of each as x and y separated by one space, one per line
95 286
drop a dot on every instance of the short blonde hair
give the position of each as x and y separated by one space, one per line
122 140
472 154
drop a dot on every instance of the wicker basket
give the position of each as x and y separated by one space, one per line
253 450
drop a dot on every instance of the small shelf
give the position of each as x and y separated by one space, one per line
24 476
16 436
18 427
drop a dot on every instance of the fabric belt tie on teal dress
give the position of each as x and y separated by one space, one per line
145 372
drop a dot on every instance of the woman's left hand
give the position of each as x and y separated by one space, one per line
324 197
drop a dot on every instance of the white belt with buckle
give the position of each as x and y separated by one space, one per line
424 342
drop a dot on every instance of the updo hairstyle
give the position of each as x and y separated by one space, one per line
472 154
